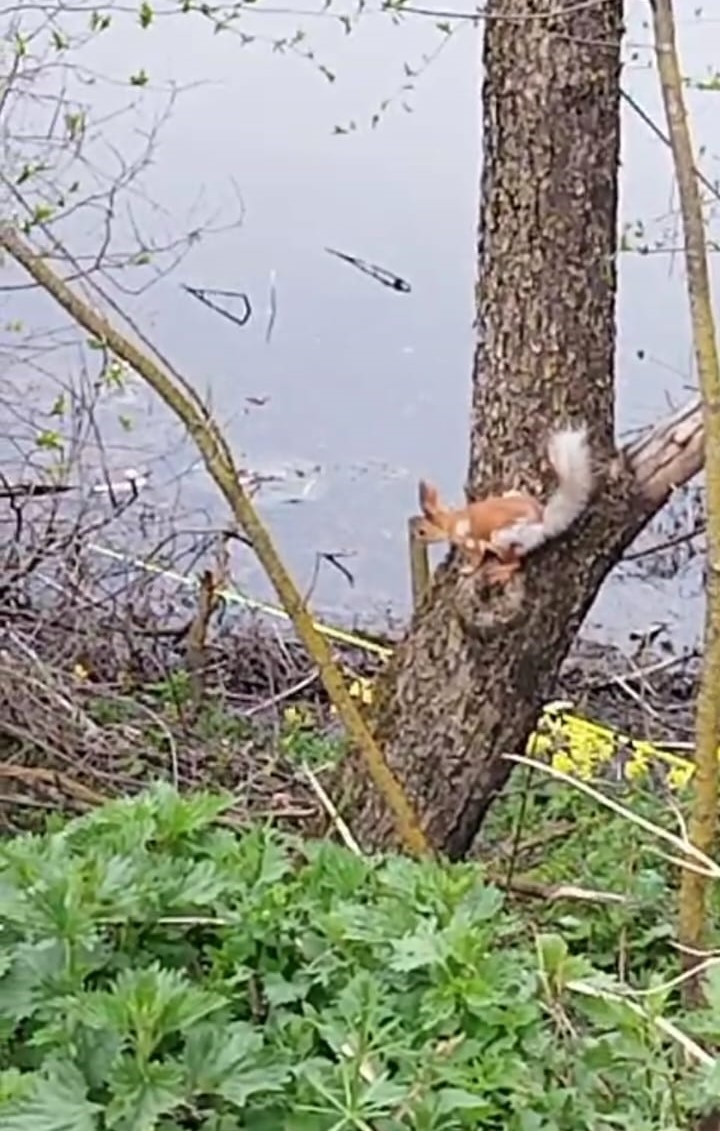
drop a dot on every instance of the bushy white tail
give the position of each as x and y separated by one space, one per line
569 454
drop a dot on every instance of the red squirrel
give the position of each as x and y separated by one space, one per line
512 525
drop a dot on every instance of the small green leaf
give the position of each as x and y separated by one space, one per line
458 1099
75 122
552 952
100 21
49 440
42 213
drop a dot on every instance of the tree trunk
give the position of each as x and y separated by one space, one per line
547 242
466 683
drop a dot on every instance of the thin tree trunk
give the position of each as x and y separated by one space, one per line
466 683
703 820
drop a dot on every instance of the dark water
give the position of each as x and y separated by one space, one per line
367 388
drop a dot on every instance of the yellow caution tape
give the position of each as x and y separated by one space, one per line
574 744
235 597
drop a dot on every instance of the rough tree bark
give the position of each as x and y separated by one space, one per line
466 683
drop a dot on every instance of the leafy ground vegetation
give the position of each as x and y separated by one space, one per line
96 701
173 957
163 970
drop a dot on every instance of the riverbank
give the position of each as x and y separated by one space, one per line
96 699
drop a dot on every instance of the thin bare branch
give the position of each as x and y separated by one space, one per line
703 821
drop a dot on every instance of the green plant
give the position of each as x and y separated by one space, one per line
158 971
173 691
553 834
302 741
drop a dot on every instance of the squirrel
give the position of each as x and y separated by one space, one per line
512 525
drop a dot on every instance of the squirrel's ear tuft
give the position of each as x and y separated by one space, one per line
428 498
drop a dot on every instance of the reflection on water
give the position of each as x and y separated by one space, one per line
362 388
